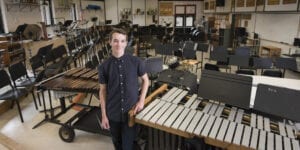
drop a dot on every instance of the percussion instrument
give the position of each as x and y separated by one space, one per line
219 125
74 80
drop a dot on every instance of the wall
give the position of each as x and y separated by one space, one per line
16 16
151 4
275 29
138 18
112 11
88 14
60 12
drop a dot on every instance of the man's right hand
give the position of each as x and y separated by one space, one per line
105 123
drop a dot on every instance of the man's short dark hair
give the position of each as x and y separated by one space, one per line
117 30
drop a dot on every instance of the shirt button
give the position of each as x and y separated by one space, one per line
122 100
122 109
120 66
121 83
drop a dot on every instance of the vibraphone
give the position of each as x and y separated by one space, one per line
189 116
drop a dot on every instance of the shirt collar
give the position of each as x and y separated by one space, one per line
122 58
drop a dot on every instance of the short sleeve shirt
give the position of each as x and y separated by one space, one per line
121 78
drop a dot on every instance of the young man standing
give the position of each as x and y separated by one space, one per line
119 90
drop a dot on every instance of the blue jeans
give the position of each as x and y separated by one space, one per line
123 136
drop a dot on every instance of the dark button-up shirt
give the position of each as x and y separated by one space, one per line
121 78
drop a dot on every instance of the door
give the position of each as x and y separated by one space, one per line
185 16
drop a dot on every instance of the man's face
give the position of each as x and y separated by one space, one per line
118 42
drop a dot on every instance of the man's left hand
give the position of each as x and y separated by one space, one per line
138 107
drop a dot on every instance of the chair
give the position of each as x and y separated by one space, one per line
36 63
241 61
213 67
43 51
95 60
20 78
153 65
129 50
13 94
74 52
203 47
189 53
267 63
220 54
248 72
242 51
101 55
262 63
89 64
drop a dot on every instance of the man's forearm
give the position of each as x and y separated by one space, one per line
144 89
102 97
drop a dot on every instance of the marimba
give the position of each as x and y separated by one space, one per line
77 80
189 116
74 80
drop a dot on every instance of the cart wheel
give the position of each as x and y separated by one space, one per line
66 133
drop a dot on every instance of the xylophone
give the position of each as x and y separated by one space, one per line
219 125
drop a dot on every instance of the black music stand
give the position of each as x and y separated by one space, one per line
285 63
219 54
278 101
179 78
203 47
231 89
262 63
153 66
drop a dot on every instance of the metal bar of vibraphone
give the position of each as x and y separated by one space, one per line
208 126
160 112
215 128
195 104
194 122
174 95
246 136
166 115
213 109
254 138
174 115
190 101
287 144
180 97
278 142
201 124
169 93
187 120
